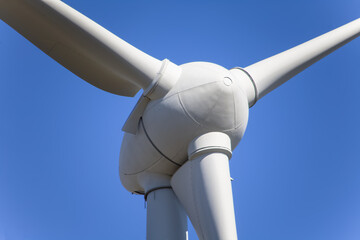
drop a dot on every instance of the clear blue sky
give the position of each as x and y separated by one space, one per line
296 171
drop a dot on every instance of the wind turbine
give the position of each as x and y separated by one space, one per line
228 81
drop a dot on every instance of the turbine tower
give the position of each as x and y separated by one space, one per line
180 135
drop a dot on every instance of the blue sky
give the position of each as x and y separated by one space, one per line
296 171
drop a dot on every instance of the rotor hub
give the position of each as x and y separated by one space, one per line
206 98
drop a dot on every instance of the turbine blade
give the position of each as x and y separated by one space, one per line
270 73
203 187
82 46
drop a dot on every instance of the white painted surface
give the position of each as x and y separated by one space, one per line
270 73
81 45
203 186
166 218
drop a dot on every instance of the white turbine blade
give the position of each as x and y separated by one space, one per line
270 73
203 187
82 46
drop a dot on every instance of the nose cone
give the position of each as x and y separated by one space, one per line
216 102
205 99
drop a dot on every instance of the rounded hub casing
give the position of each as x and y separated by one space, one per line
206 98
